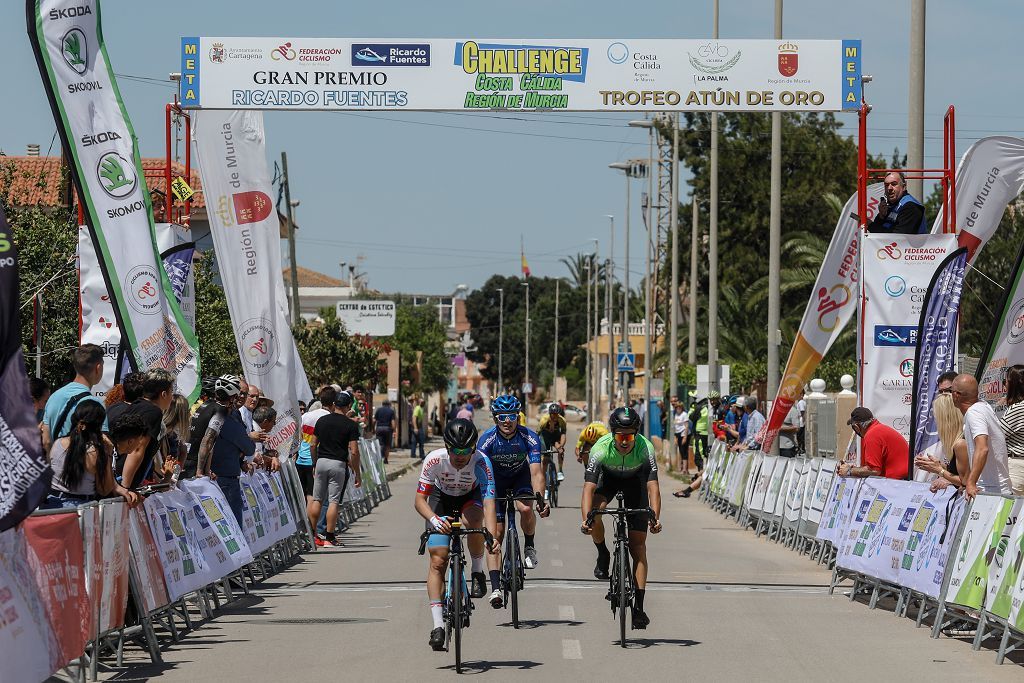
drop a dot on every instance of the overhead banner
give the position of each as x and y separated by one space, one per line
231 152
24 472
896 271
521 74
936 349
833 301
107 169
1004 347
990 176
98 322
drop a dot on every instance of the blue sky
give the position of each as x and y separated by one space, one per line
431 200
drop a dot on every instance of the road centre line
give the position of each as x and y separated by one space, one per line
571 649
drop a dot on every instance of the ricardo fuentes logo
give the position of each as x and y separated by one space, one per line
259 346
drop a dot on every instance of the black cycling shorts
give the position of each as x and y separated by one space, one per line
444 505
305 478
634 493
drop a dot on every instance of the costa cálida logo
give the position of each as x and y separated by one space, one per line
830 302
788 59
142 289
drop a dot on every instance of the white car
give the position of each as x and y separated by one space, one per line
571 412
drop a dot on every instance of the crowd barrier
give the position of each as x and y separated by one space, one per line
68 577
951 560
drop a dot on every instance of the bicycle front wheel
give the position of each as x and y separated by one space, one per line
456 615
623 579
514 566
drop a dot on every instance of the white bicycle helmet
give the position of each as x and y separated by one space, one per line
227 386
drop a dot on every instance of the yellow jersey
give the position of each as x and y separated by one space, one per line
591 433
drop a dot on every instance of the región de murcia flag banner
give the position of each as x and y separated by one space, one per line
231 151
833 301
24 474
95 130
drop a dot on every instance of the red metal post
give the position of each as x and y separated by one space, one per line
187 218
168 197
862 165
949 130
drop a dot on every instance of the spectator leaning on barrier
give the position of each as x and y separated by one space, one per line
87 360
304 461
1012 423
986 445
335 453
176 429
134 467
884 451
384 427
950 424
264 418
898 212
81 462
131 391
754 422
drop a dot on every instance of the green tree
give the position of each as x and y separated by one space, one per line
330 355
421 339
218 351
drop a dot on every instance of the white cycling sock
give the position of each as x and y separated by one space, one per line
477 563
435 612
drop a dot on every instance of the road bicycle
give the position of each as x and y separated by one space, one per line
621 590
513 573
456 605
550 474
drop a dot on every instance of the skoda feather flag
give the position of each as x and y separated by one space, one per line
24 474
97 134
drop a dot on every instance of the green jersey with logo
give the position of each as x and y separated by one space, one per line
605 458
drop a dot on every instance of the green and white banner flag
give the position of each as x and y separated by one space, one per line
67 38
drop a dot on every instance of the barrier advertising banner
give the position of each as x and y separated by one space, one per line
181 558
990 176
232 162
981 539
106 167
832 304
936 349
896 271
521 74
821 487
838 507
24 473
57 558
29 650
1004 566
145 562
221 537
1003 348
1009 599
796 494
114 594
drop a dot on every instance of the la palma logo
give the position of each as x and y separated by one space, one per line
75 50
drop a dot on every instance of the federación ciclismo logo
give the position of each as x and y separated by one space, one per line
1015 323
141 289
75 50
116 175
258 342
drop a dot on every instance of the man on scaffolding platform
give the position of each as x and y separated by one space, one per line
898 211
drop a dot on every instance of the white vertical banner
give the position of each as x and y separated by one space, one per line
67 40
895 270
231 154
98 322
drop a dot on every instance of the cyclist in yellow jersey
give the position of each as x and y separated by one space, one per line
588 437
552 434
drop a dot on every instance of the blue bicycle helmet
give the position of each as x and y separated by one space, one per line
506 403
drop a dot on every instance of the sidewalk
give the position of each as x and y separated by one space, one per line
400 461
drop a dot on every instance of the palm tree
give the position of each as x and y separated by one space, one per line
578 270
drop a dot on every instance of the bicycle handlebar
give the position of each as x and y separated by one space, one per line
457 530
619 512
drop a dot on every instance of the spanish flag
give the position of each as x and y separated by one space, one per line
522 257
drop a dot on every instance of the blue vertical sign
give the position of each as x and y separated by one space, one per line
850 61
190 70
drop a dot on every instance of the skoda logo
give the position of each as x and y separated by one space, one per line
895 286
116 175
618 53
75 50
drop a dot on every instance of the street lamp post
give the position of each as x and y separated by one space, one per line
595 368
587 265
554 361
609 280
526 369
501 339
648 366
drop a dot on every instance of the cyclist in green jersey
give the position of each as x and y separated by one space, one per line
623 461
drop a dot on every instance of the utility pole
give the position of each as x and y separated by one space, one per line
713 241
624 378
775 244
672 378
526 371
609 281
38 328
554 362
291 239
587 377
595 368
691 353
915 120
501 339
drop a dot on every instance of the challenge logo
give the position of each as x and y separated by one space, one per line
788 59
830 302
116 175
142 289
258 342
567 63
390 54
895 286
1015 323
217 53
75 51
907 367
889 251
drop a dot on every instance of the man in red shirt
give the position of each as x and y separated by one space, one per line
884 451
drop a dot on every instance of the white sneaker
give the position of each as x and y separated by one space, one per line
561 477
530 560
497 602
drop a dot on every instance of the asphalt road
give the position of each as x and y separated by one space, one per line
723 606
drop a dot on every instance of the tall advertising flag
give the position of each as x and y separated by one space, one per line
833 301
24 474
1005 346
936 349
231 150
95 130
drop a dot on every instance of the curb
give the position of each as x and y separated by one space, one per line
395 474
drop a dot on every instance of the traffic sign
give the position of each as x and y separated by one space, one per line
626 362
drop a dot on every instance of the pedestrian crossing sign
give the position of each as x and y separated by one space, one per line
626 362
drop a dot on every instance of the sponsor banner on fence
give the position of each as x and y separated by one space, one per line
1008 601
896 270
990 176
231 152
522 74
981 538
184 566
57 558
145 562
221 538
94 127
936 350
838 507
796 492
832 304
114 593
24 472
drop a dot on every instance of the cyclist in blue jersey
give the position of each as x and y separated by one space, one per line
514 452
456 481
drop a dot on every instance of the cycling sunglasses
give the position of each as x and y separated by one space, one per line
468 450
507 417
624 438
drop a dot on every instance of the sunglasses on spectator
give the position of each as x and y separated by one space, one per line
507 417
461 451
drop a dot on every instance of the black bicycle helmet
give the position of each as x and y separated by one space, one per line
554 409
624 420
460 433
